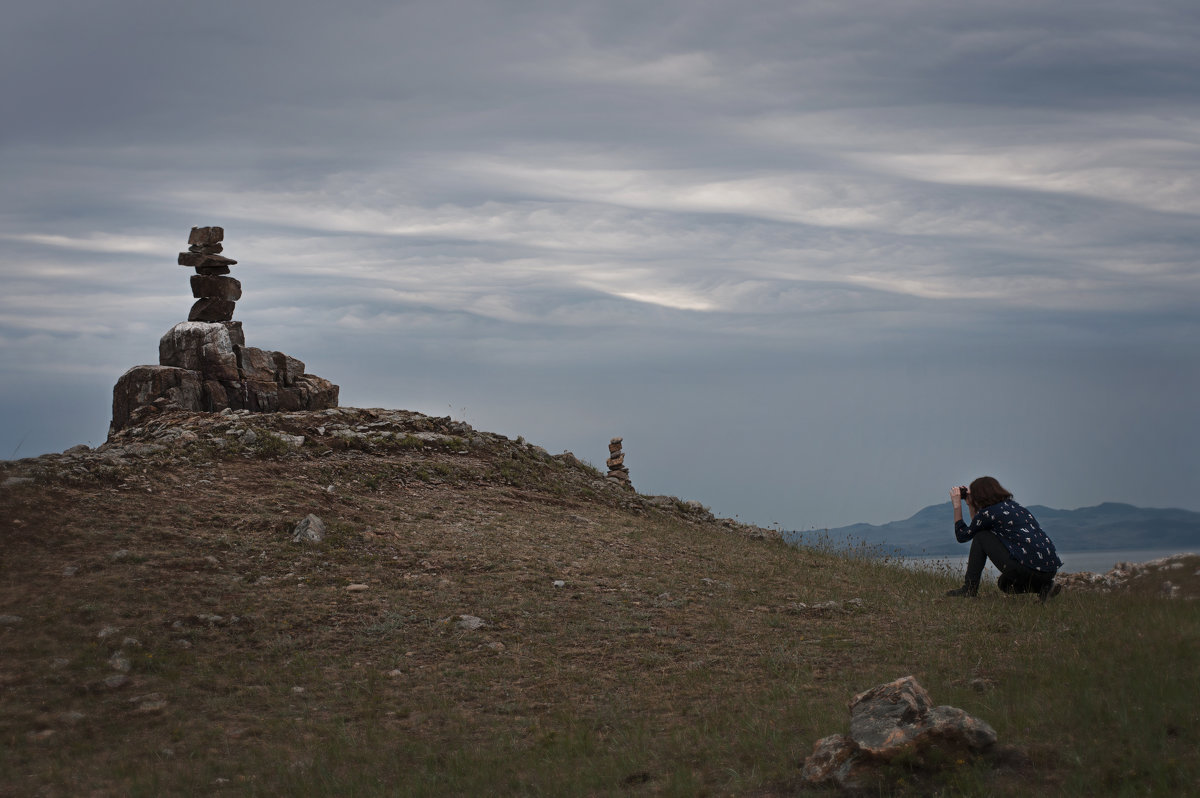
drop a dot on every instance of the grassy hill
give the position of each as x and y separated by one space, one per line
485 618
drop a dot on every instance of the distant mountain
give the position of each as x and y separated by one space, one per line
1105 527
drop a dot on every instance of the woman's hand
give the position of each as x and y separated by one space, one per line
957 494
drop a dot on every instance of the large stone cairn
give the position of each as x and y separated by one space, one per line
617 470
204 363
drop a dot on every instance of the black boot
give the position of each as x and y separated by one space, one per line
968 589
1049 591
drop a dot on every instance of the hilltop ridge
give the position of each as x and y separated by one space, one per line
485 617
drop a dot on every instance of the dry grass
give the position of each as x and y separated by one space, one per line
678 657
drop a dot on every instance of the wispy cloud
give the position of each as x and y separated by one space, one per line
818 225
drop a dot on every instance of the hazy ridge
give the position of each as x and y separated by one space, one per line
1111 526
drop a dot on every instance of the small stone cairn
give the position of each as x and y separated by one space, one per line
617 470
215 293
204 363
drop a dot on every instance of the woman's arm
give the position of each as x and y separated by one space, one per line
961 532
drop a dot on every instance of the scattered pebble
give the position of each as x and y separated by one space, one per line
355 588
10 620
468 622
559 583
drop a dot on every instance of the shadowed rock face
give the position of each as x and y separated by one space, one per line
204 363
890 716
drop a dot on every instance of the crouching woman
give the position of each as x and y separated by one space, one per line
1007 534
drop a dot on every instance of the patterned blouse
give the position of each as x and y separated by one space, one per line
1018 530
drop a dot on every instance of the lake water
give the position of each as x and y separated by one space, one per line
1098 561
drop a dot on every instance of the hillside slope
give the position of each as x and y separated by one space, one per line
484 618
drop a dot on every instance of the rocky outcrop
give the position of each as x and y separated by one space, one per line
617 470
888 721
1175 576
204 363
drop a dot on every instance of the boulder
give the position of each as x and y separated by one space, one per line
205 347
311 529
833 760
236 336
262 396
956 726
141 386
889 717
287 368
890 720
215 396
256 364
315 393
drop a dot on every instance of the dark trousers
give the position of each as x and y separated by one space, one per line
1014 577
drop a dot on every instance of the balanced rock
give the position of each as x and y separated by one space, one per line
206 236
209 286
202 260
211 309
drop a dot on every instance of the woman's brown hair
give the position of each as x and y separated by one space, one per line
986 491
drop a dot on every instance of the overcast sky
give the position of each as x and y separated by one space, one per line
815 261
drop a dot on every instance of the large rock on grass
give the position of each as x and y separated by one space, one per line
891 720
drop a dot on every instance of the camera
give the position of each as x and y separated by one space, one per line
962 491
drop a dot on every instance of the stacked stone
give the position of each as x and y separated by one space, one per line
617 470
215 292
204 363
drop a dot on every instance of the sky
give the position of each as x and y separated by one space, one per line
816 262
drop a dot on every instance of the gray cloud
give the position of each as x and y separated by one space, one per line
787 250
